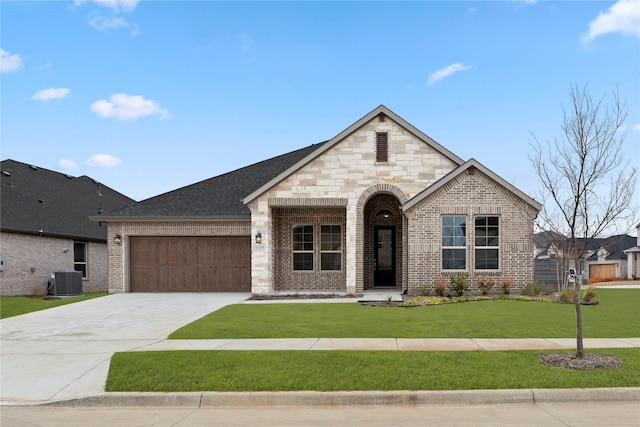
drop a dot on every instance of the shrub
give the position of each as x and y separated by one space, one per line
589 297
531 289
567 295
422 291
505 285
458 283
503 296
485 284
604 279
439 286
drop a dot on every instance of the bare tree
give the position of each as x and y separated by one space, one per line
587 186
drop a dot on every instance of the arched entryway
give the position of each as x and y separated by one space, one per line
382 242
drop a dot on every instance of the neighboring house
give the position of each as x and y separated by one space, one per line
605 258
633 258
379 206
45 227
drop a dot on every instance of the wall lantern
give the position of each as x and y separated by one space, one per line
117 238
258 237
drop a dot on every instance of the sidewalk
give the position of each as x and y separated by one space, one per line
408 344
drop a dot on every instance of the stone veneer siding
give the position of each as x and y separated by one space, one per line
471 194
45 255
119 253
287 279
349 170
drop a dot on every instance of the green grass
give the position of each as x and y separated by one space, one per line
15 306
165 371
615 316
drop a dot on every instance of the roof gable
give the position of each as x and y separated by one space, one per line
342 135
40 201
472 163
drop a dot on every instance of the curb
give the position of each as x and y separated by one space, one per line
355 398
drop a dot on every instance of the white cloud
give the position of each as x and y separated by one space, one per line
103 161
636 127
622 17
128 107
9 63
115 5
45 95
446 72
99 22
67 164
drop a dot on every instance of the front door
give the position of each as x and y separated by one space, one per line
384 256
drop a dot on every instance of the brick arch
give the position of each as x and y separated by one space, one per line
377 189
366 195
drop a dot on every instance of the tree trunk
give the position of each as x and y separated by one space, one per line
576 300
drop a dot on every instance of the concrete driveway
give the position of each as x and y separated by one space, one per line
64 352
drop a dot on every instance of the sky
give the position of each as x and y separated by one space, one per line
150 96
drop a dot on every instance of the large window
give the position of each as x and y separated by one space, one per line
303 247
80 257
487 242
454 242
330 247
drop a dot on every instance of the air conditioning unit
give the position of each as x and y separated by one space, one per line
65 283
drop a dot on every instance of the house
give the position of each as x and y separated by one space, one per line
604 258
607 257
379 206
45 227
633 258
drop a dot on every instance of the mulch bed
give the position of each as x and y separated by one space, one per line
589 362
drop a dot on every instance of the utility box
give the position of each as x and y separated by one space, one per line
65 283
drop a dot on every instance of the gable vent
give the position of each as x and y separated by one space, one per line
382 147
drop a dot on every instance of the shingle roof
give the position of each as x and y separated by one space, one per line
220 196
35 199
614 245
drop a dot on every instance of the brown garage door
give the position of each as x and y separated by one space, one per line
190 264
602 271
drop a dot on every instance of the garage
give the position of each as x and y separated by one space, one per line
190 264
602 271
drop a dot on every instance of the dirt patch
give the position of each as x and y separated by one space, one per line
589 362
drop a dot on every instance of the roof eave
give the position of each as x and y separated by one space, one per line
100 218
54 234
348 131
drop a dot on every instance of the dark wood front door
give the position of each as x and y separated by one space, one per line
384 256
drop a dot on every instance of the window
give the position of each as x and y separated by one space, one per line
487 242
454 242
331 247
382 147
80 257
303 247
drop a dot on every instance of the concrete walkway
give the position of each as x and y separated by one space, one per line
415 344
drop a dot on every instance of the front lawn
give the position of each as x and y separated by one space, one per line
14 306
166 371
615 317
